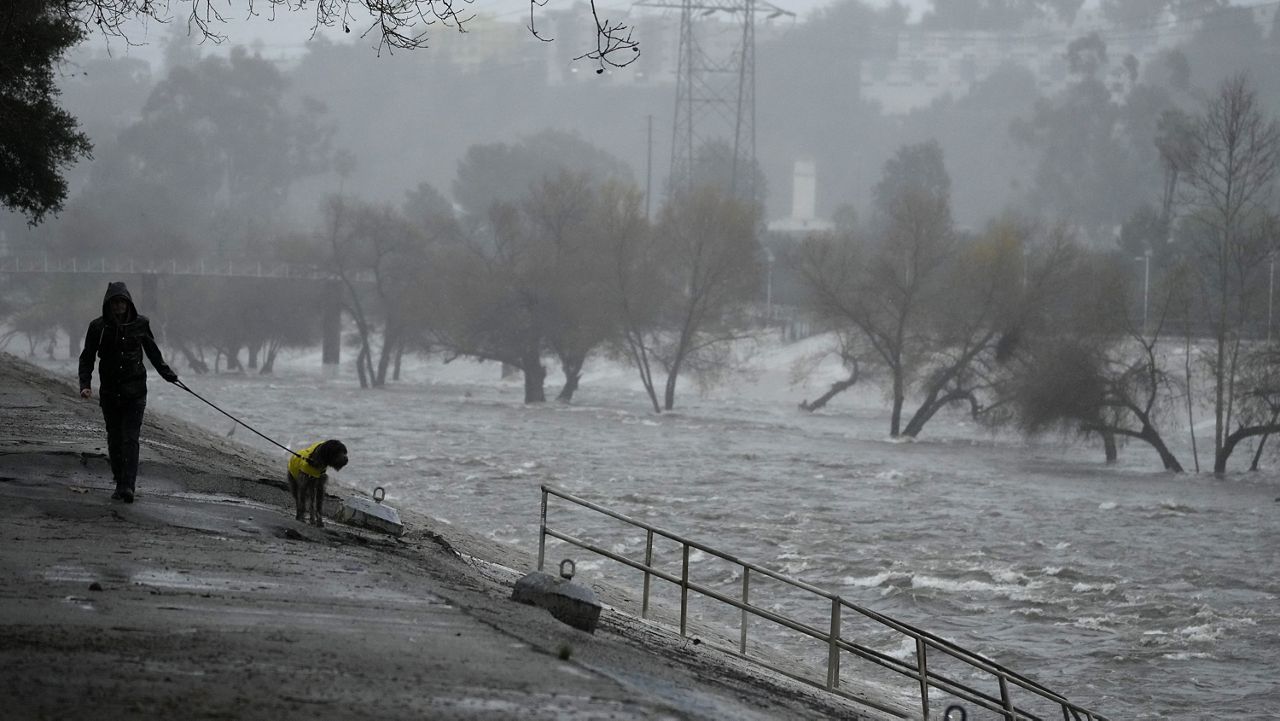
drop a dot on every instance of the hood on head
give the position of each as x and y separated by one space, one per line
117 289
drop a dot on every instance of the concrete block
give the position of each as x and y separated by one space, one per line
568 602
360 511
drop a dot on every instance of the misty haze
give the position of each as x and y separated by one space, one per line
963 310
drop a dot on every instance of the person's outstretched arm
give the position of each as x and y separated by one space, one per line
153 354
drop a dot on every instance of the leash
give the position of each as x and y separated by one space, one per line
184 387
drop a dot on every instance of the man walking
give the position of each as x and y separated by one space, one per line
118 338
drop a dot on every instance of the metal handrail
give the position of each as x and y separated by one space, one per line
917 671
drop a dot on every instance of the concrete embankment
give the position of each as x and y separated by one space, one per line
205 599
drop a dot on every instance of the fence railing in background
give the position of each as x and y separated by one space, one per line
193 266
925 642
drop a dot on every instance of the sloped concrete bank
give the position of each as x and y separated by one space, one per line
205 599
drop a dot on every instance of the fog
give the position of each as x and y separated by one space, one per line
994 224
842 84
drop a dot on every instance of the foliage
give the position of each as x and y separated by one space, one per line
203 171
38 139
560 217
940 312
1093 372
535 271
501 172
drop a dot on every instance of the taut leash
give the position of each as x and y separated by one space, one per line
184 387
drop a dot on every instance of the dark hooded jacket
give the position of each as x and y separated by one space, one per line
119 347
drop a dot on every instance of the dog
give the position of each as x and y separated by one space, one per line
307 477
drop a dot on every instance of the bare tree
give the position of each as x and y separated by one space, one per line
881 285
633 267
708 243
1227 190
939 313
393 24
677 290
851 351
375 244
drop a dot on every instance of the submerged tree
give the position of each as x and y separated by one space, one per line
883 285
632 268
1095 372
710 268
1227 192
380 259
559 218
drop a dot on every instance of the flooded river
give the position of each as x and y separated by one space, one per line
1140 594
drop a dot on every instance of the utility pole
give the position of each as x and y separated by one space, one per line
716 86
1271 291
648 173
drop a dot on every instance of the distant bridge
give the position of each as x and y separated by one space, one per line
152 270
194 267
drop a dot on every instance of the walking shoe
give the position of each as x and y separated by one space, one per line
126 496
117 495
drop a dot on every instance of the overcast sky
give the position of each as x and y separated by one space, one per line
289 31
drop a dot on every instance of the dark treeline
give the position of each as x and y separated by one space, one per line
983 256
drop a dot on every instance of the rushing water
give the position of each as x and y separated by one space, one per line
1137 593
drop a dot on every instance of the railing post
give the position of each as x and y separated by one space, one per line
922 666
833 652
746 588
684 588
648 564
1005 700
542 532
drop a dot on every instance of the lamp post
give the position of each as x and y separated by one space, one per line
768 285
1146 285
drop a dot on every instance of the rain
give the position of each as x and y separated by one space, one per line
961 310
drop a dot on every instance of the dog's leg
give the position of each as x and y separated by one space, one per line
317 510
295 488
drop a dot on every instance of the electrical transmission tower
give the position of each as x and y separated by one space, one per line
716 91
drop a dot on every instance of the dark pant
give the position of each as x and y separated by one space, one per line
124 424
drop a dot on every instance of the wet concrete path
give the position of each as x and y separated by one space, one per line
205 599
